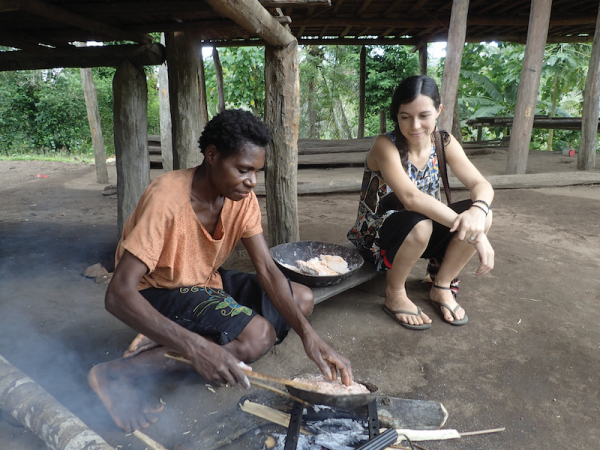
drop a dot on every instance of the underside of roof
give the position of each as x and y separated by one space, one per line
33 25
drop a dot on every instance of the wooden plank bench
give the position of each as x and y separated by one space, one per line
366 273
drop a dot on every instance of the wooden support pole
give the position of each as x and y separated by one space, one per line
166 137
282 115
28 403
586 159
423 59
93 114
219 75
361 92
531 72
456 132
382 122
131 137
183 54
454 49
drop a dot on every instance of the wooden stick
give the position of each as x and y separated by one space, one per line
280 392
473 433
148 441
270 414
254 375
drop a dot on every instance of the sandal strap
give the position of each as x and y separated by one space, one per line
402 311
441 287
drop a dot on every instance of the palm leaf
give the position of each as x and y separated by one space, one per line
488 86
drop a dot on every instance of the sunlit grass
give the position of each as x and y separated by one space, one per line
83 159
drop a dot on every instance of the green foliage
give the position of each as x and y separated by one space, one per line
243 79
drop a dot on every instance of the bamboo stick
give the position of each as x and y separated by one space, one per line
473 433
270 414
280 392
254 375
149 441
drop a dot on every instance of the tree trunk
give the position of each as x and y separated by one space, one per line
202 87
553 111
282 115
345 125
311 110
520 139
91 103
382 122
166 136
36 409
456 43
131 137
586 159
219 74
183 53
423 59
361 92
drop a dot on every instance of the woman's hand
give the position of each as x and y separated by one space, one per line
326 359
470 225
486 254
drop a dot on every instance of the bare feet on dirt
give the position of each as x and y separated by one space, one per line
139 344
121 399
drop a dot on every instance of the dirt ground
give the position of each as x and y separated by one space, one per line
528 360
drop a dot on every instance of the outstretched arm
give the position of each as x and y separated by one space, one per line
125 302
276 285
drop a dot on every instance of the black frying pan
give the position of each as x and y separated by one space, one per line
336 401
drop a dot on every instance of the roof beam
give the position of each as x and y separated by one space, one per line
252 16
106 56
61 15
442 21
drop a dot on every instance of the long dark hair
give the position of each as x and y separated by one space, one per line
406 92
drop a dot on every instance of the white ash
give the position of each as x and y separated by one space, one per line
332 434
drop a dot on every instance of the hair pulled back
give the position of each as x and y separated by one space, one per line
406 92
231 128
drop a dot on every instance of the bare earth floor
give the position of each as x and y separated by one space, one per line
528 360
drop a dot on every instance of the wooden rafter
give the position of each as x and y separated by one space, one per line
417 6
363 8
61 15
337 7
345 32
392 7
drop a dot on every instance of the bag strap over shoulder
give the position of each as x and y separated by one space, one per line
441 155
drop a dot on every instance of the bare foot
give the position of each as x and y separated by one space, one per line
399 300
139 344
445 296
121 399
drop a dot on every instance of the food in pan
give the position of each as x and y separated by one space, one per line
335 387
324 265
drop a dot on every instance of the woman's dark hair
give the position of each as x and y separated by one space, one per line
231 128
406 92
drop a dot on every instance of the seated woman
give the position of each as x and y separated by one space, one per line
401 217
168 284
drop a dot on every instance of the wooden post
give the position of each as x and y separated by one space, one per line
282 115
93 113
183 53
202 86
586 159
423 59
219 75
456 42
382 122
361 92
479 132
131 137
518 149
166 143
456 132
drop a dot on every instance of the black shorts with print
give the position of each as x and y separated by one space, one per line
219 314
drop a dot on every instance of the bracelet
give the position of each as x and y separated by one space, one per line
484 202
481 208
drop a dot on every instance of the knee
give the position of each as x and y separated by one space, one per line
421 232
303 296
256 340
